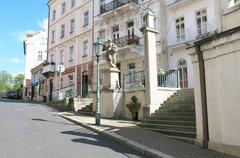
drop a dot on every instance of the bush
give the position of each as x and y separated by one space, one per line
134 107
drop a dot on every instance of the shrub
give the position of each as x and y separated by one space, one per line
134 107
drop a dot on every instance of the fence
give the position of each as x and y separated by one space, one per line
60 94
133 80
168 79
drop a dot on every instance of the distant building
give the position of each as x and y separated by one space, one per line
35 51
70 45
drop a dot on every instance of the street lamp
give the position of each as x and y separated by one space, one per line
98 46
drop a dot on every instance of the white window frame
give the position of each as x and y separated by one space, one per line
40 55
73 2
61 59
202 28
71 54
63 8
54 15
85 48
62 31
53 36
85 18
72 25
180 28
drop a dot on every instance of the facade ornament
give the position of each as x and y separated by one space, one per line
111 51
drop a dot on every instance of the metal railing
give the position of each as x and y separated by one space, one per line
169 79
127 40
134 80
68 91
115 4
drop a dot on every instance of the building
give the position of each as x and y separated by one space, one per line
70 45
35 51
38 83
216 59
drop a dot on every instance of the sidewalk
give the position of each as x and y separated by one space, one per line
148 142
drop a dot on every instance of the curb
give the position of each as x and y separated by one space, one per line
152 153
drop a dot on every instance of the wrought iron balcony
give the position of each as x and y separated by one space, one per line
127 40
115 4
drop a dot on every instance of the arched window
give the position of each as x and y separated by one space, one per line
183 74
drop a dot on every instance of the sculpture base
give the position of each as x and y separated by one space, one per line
111 79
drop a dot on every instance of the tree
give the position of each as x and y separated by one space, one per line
5 81
18 82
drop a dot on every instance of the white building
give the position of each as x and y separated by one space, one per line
35 51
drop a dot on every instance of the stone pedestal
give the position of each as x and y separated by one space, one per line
111 79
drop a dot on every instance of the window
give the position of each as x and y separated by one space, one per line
71 51
40 55
62 31
52 58
61 57
72 25
180 29
201 16
63 7
130 29
131 72
71 80
54 15
61 83
86 19
53 36
72 3
85 48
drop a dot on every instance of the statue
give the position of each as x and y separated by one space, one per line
111 51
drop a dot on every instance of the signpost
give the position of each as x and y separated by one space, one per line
60 69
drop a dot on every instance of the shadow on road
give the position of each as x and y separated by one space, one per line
43 120
31 103
89 137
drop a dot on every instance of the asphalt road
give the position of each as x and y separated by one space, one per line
30 130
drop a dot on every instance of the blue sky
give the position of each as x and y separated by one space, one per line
17 17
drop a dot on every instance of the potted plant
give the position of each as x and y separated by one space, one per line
134 107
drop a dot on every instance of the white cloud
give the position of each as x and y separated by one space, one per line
21 35
15 61
43 24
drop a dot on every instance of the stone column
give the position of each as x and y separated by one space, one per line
150 61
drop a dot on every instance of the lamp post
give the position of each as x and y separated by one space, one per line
98 46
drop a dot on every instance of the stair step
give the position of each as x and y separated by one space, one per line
182 118
169 127
174 113
174 132
188 109
85 113
170 122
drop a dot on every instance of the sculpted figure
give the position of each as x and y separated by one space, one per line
111 50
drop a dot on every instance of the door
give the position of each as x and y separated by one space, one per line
84 86
50 90
183 74
119 74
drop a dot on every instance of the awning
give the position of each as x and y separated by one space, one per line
35 83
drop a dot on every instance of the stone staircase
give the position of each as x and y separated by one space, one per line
176 117
85 106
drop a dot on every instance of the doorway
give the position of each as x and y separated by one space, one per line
50 89
183 73
84 86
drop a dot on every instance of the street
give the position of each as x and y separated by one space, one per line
30 130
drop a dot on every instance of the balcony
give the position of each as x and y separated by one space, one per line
128 45
48 69
116 4
173 4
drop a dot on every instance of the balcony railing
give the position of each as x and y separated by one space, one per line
127 40
48 67
115 4
169 79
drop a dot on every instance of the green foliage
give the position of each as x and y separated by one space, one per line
6 80
18 82
134 106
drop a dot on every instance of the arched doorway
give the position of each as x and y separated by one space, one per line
183 74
